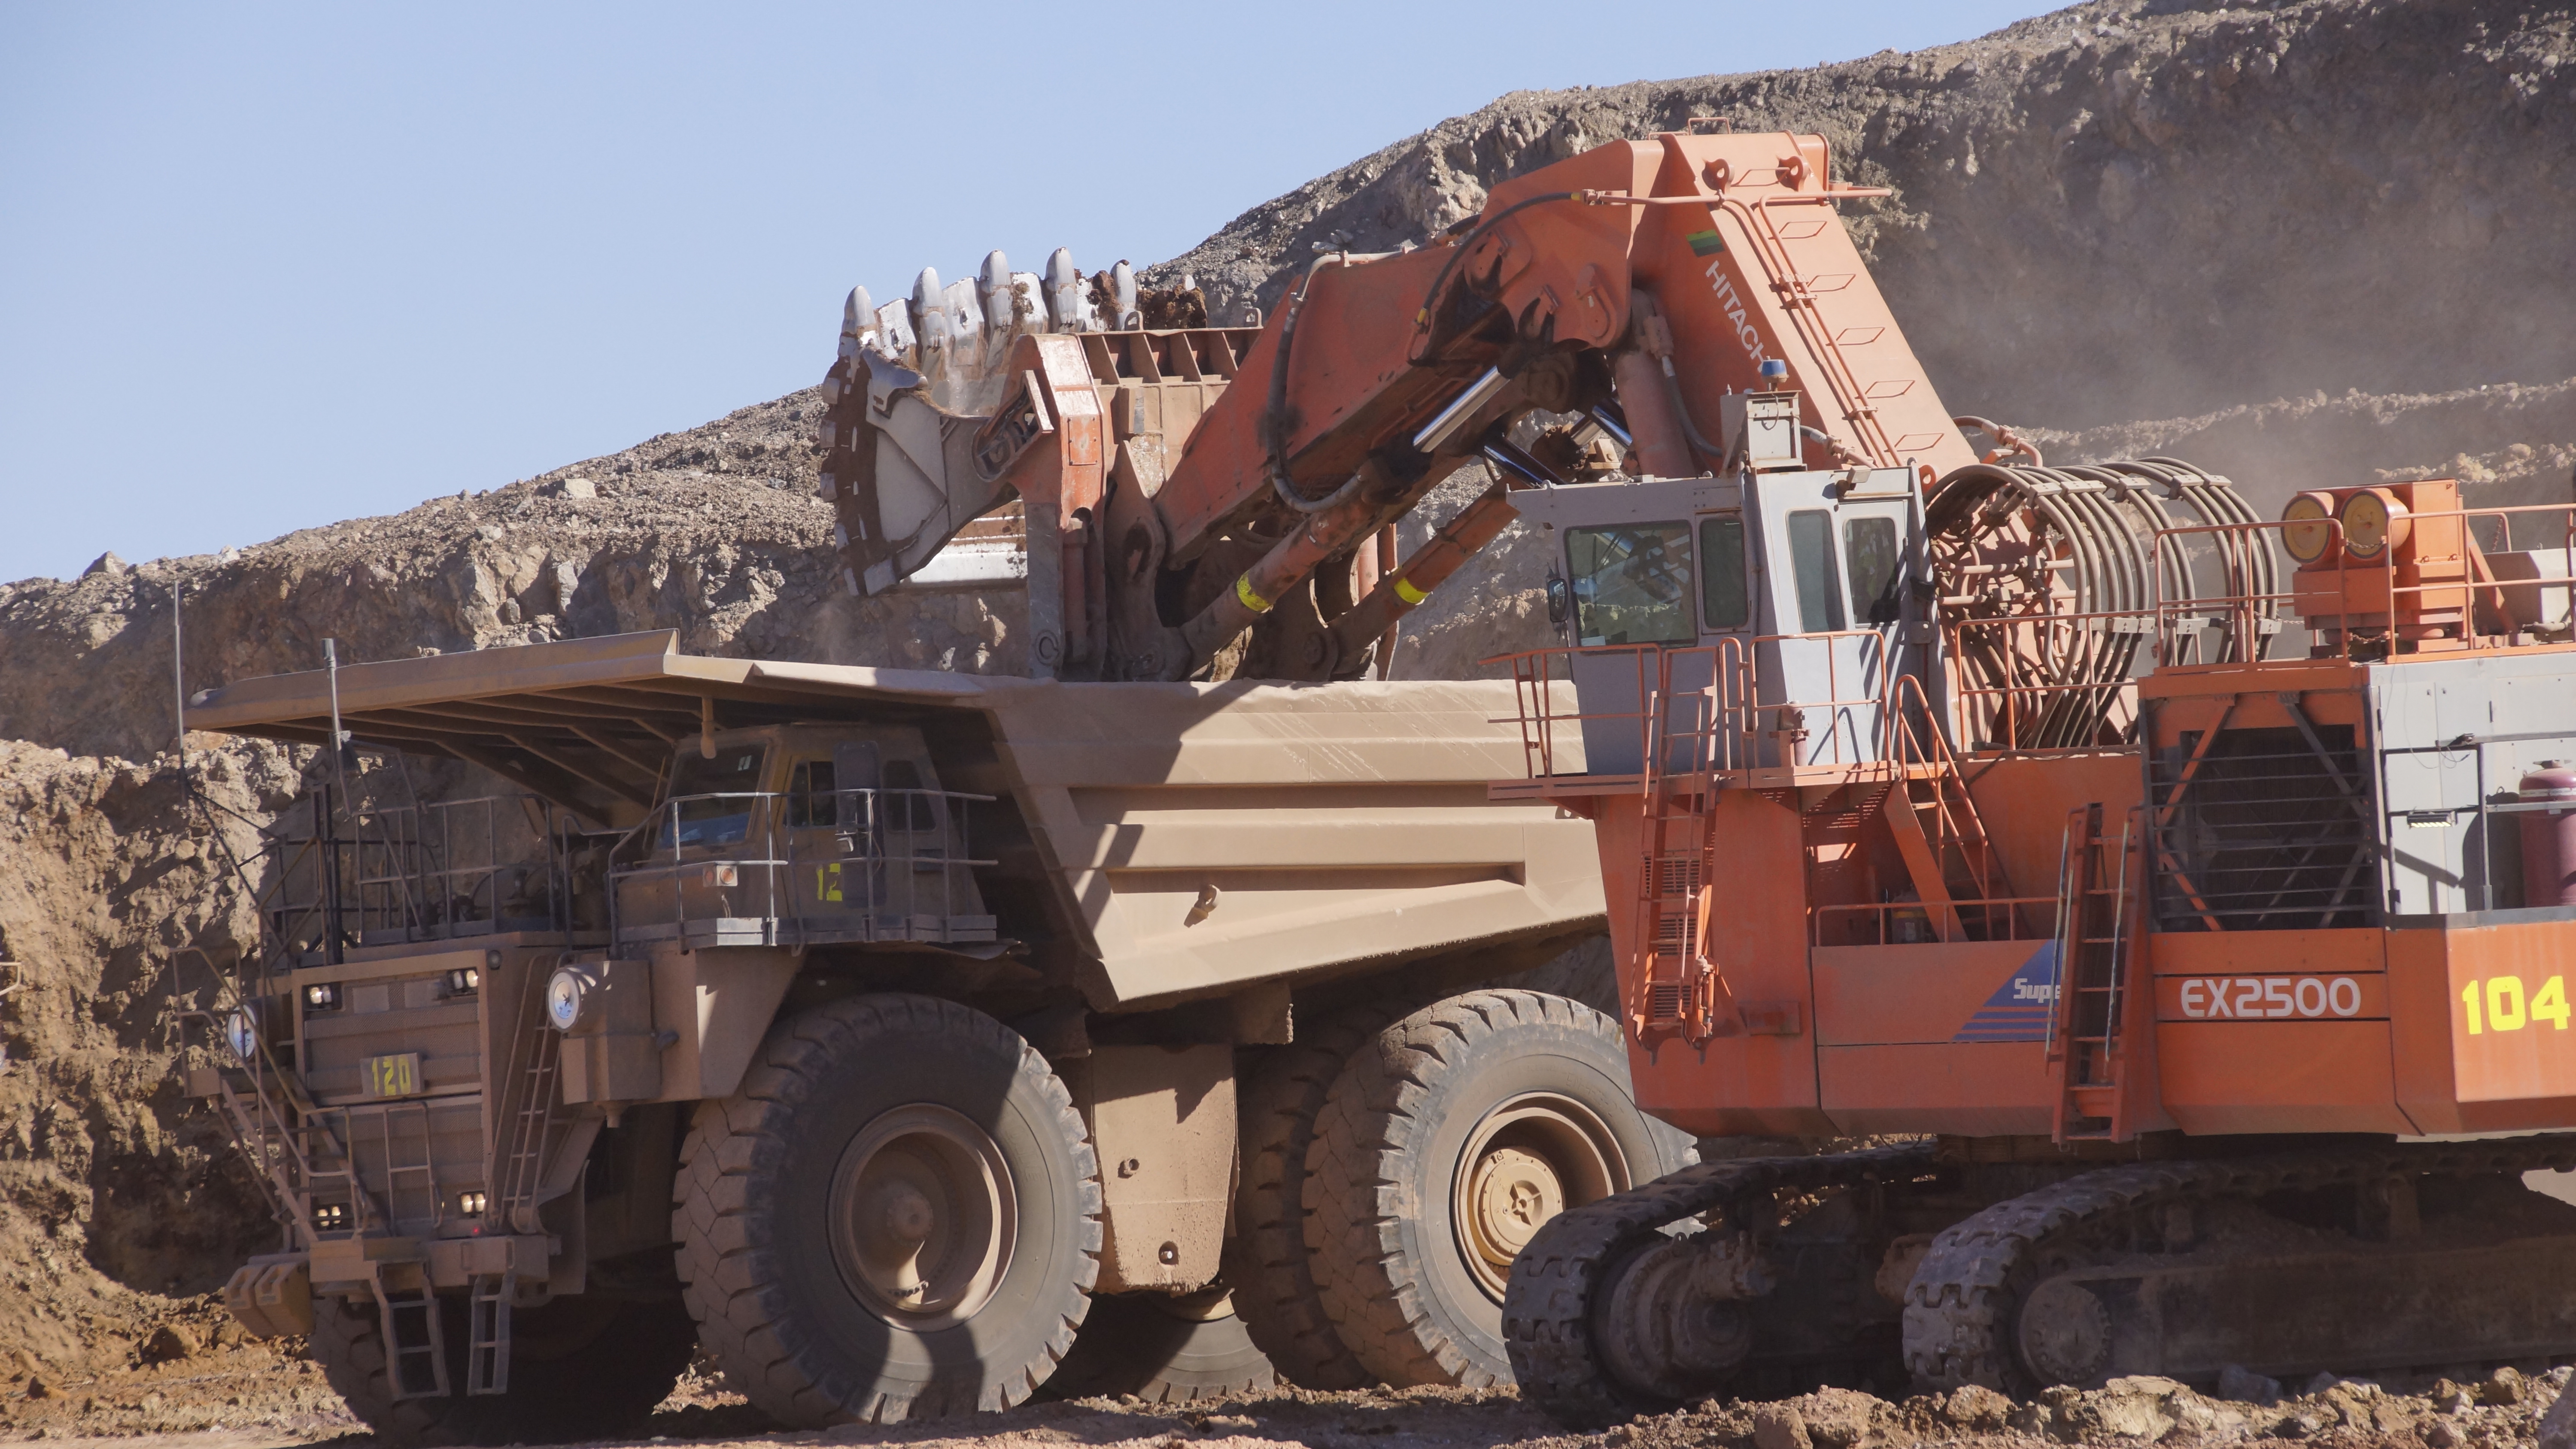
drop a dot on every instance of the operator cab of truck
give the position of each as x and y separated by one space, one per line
1798 591
795 835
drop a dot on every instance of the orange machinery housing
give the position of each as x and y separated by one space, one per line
2294 904
2156 1004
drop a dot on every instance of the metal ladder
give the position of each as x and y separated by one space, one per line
317 1145
1939 833
487 1336
416 1367
396 1169
535 1061
1680 989
2096 914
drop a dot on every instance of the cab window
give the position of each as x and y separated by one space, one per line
721 812
1632 583
1725 601
1870 557
809 795
1811 565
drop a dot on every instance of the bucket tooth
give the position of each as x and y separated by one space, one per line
930 320
1122 290
858 320
993 290
1067 299
894 328
1028 312
965 317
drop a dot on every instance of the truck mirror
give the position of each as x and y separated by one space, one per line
1558 601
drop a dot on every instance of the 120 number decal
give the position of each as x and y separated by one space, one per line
2496 1004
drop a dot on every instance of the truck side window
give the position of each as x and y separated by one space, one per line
1725 603
1811 561
1632 583
1870 557
809 795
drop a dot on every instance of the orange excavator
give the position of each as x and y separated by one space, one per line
2163 877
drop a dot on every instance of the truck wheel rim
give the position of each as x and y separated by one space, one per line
1530 1158
922 1216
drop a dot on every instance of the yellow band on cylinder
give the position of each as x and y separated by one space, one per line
1251 600
1405 590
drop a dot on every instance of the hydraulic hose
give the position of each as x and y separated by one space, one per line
1276 413
2007 442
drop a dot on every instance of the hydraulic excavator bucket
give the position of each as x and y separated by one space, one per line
915 382
906 475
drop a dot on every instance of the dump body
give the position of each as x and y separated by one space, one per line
1340 826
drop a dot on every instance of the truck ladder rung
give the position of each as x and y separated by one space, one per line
487 1355
417 1366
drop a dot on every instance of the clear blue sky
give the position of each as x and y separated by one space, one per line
264 267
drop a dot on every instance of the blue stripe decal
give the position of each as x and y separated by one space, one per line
2020 1008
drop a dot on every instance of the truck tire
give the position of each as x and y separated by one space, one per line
1267 1261
580 1368
1444 1145
896 1217
1162 1349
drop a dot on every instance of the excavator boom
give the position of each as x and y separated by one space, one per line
1180 486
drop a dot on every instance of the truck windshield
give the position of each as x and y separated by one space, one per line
733 775
1632 583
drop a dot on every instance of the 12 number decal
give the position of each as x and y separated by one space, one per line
2497 1004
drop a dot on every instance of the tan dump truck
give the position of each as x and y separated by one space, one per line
910 1041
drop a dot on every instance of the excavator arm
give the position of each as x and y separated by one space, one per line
1184 487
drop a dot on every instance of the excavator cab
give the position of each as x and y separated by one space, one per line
1780 601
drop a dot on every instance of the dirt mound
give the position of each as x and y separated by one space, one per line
715 532
2113 211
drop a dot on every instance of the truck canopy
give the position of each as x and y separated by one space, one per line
1322 827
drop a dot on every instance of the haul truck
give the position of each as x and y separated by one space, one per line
908 1040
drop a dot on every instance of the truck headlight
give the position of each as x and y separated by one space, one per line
568 991
242 1033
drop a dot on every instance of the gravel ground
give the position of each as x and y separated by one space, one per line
249 1393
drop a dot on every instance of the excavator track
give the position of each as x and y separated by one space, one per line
1967 1302
1965 1319
1548 1320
